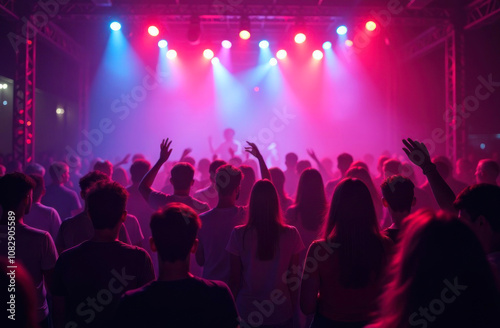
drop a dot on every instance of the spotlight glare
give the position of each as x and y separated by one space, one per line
162 44
281 54
244 34
371 26
60 111
115 26
273 61
300 38
208 54
215 61
317 54
153 30
264 44
226 44
348 43
327 45
341 30
171 54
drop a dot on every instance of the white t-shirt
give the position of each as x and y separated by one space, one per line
216 228
264 281
35 249
43 218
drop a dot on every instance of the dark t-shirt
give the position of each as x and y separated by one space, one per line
191 302
92 277
392 233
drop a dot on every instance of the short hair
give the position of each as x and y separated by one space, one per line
490 168
229 133
291 158
344 161
393 166
182 175
34 168
303 165
481 199
189 159
14 187
105 167
89 179
138 170
174 229
399 192
56 169
215 165
39 185
227 179
106 202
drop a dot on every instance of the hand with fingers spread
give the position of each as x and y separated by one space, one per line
186 152
125 160
312 154
253 149
417 153
165 150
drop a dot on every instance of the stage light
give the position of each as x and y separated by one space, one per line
348 43
244 34
162 43
208 54
327 45
60 111
171 54
153 30
300 38
281 54
115 26
273 61
264 44
5 103
341 30
215 60
482 145
244 28
371 26
317 54
226 44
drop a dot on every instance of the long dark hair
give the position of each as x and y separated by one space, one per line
264 215
360 172
352 223
310 203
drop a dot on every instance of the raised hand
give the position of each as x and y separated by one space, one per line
311 153
417 152
252 149
165 150
186 152
125 160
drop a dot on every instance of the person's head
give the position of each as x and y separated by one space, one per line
479 207
311 201
181 176
120 175
174 229
327 163
39 189
204 166
105 167
16 191
59 173
443 166
487 171
2 170
344 161
190 160
227 181
361 164
291 160
361 173
213 168
137 157
278 178
235 161
138 170
34 168
302 165
264 215
398 194
439 264
106 205
380 164
391 167
408 172
89 179
229 134
246 183
464 167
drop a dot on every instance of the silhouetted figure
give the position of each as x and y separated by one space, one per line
177 299
379 179
209 194
63 199
229 148
246 185
278 178
445 168
120 175
344 161
203 179
465 171
105 167
487 171
303 165
291 176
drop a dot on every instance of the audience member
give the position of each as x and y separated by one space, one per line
63 199
291 176
303 165
278 178
203 179
120 175
35 168
344 161
136 205
465 171
209 194
105 167
487 171
246 185
229 148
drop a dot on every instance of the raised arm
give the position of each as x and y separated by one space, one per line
252 149
125 160
186 152
419 155
146 182
321 168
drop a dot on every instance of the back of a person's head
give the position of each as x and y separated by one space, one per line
235 161
248 177
204 165
89 179
359 172
380 163
229 134
489 170
439 261
215 165
310 201
182 175
407 171
34 168
481 200
398 191
464 165
360 164
291 159
444 166
302 165
391 167
278 178
189 159
120 175
174 229
138 170
137 157
106 203
21 309
104 166
57 170
39 186
344 161
14 188
227 179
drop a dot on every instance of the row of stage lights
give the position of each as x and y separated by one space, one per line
244 34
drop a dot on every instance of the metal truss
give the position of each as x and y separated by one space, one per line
7 9
481 11
426 41
23 139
